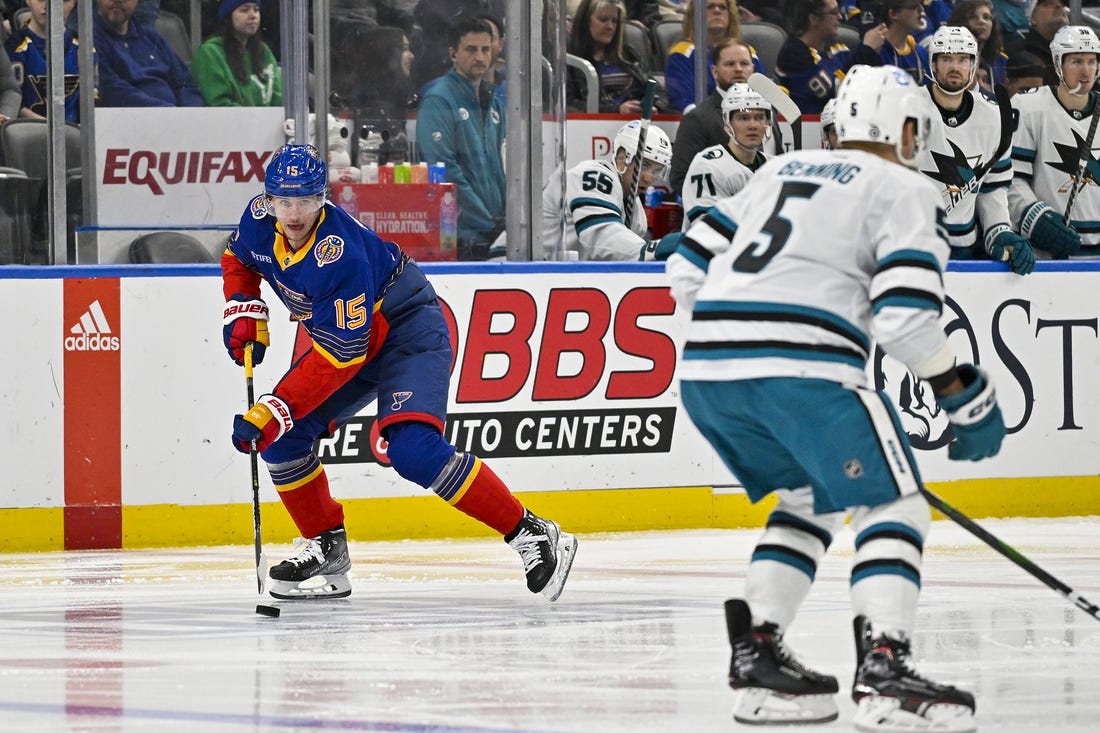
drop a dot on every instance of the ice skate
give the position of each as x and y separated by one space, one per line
773 688
546 551
891 696
318 570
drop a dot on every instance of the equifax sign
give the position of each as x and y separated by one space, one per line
567 371
157 169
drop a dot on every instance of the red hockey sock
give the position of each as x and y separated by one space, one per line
305 494
483 496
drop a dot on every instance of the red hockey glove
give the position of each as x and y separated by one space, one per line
267 421
245 320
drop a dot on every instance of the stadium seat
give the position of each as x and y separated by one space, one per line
636 37
665 35
849 35
767 40
162 248
175 32
15 215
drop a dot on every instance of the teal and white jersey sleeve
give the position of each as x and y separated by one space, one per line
594 226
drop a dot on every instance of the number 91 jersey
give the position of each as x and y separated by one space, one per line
819 255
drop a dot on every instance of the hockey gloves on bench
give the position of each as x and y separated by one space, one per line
267 421
1008 246
975 417
1046 230
245 319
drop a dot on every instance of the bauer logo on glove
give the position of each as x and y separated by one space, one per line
267 421
244 320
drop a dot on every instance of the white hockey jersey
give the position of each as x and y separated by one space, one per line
714 174
820 254
1045 153
959 144
594 225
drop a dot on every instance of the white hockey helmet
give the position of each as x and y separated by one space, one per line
1073 39
740 97
828 119
873 104
954 39
658 147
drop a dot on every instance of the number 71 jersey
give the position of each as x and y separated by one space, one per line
821 253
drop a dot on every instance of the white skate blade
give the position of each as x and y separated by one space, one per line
761 706
877 713
317 587
567 549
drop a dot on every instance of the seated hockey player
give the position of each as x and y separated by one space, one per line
828 126
722 170
377 331
595 200
788 297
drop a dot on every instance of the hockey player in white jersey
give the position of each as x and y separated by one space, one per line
787 297
1051 135
969 156
828 126
722 170
595 225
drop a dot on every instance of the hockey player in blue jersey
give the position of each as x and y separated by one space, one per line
787 299
377 332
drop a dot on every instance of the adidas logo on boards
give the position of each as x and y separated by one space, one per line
92 332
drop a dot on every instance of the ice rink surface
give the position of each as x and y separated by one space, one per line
444 637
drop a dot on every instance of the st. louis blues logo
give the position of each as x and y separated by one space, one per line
399 399
328 250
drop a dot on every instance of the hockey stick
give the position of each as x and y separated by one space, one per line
253 457
1008 127
1037 572
770 91
631 193
1083 156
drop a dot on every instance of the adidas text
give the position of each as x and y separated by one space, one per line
94 342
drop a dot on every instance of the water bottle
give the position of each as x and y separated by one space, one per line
370 146
437 173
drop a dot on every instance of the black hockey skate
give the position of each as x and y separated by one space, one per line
773 688
891 696
319 570
546 551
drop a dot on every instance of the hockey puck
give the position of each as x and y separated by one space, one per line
271 611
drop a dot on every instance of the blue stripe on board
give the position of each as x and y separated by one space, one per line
248 721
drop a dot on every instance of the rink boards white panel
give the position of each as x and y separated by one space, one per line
1037 336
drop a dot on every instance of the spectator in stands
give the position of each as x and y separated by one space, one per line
646 12
723 21
980 18
597 37
1023 71
137 68
27 49
704 125
1046 17
236 68
371 80
10 96
904 18
757 11
435 20
812 61
461 124
672 9
1013 15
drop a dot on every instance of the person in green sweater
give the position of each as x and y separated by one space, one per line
236 68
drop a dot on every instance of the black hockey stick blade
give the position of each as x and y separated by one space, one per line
1012 554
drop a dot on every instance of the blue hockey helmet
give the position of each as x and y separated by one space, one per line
294 171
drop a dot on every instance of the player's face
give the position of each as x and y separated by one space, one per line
1079 68
749 127
952 70
246 20
733 67
980 23
831 140
603 23
472 57
296 215
652 172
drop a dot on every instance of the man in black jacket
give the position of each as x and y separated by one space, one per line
703 126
